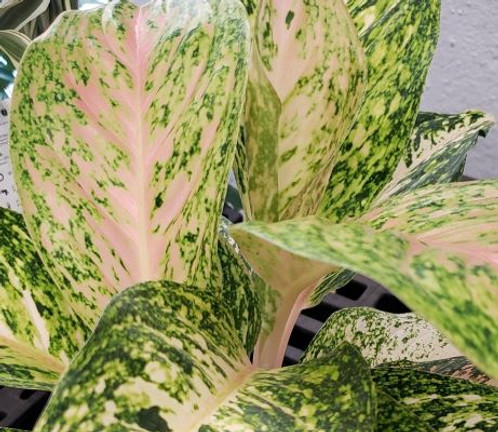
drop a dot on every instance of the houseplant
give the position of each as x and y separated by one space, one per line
121 165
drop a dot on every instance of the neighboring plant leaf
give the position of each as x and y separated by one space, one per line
124 121
165 357
437 152
434 248
381 337
16 14
240 290
39 333
306 82
399 38
7 76
446 404
13 44
43 21
456 367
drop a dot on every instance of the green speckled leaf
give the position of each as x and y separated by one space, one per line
393 416
306 82
251 8
435 248
381 337
240 289
124 121
457 367
437 151
446 404
399 38
166 357
39 333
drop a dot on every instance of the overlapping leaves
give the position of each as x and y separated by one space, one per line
39 332
166 357
305 86
416 389
435 248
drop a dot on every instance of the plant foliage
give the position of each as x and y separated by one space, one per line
124 292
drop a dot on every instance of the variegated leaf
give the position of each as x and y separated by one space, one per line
381 337
399 38
456 367
394 416
240 290
446 404
124 122
438 148
330 283
292 279
252 9
39 332
305 85
165 357
435 248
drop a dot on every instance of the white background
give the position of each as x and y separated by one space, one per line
464 73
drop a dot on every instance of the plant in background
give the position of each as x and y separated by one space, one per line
20 22
121 283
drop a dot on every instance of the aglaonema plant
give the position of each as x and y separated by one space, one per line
124 292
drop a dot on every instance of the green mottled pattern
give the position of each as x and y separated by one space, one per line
330 283
306 82
399 38
438 149
253 302
240 290
156 361
332 394
39 333
251 8
434 248
462 213
381 337
457 367
124 122
166 357
446 404
393 416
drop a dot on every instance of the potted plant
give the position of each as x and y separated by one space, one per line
128 298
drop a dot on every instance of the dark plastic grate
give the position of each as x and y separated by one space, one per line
21 408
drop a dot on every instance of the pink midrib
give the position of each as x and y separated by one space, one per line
145 270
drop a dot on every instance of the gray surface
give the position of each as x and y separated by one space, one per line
465 72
